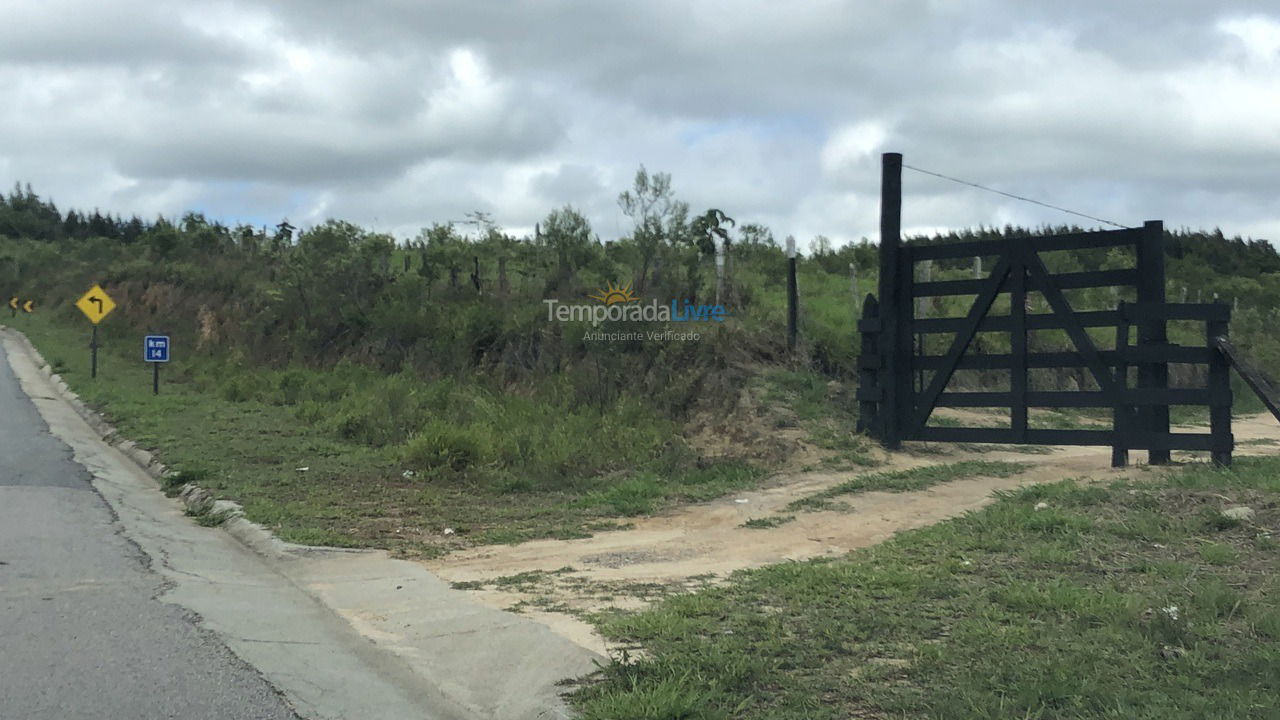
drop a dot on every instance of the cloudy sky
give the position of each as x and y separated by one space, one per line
395 114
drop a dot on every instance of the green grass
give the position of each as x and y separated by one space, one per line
644 493
1077 419
1115 601
824 409
917 478
354 458
764 523
209 518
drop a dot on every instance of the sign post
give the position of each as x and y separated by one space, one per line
95 304
155 350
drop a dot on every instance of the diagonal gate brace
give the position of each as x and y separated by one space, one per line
1058 302
964 337
1256 380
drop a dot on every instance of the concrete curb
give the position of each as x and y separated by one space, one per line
196 499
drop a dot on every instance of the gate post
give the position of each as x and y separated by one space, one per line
1121 414
1219 382
870 365
1154 375
894 371
1018 345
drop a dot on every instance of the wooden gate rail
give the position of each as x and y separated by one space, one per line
1004 323
1135 440
1062 281
1048 243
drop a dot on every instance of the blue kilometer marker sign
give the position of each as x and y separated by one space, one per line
156 348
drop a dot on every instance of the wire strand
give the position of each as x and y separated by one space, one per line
1011 195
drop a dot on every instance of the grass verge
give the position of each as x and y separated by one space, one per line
917 478
1138 599
330 457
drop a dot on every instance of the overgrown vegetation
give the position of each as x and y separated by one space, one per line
1137 599
404 373
314 486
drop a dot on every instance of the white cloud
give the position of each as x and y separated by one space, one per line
853 152
1260 36
407 114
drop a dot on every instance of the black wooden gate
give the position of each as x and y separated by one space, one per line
901 385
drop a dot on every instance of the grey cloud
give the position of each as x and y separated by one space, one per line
358 110
568 184
382 126
125 33
307 152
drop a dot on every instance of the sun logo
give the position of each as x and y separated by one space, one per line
614 294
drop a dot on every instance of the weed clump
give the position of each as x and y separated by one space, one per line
442 445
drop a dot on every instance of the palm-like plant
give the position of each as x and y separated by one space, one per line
707 228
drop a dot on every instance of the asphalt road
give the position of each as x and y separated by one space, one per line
83 633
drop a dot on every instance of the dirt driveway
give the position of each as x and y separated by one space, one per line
556 581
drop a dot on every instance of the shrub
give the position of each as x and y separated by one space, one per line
243 386
384 410
441 444
291 386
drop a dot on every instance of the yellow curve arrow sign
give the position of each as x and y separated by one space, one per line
96 304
